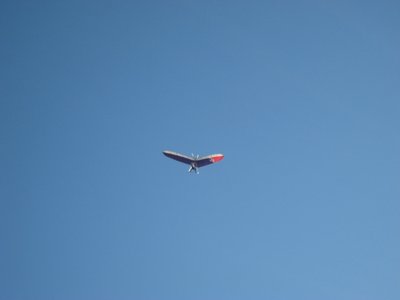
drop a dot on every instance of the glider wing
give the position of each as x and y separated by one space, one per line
208 160
179 157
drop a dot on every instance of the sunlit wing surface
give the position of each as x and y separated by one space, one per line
208 160
179 157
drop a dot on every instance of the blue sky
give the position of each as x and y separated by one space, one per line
302 98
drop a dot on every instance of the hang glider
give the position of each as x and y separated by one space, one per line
195 162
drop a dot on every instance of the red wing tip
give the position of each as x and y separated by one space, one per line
217 157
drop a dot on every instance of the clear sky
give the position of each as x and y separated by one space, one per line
302 98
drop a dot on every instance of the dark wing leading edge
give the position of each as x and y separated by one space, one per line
179 157
208 160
